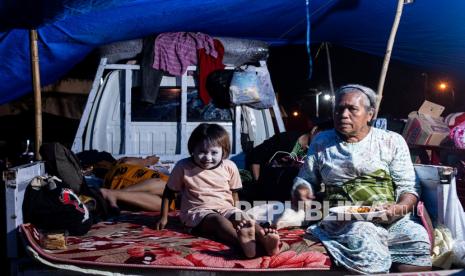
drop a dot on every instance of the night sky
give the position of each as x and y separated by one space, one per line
404 89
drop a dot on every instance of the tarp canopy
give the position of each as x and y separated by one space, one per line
431 33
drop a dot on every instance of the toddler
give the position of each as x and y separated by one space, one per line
208 183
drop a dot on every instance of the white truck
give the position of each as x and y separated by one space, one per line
113 121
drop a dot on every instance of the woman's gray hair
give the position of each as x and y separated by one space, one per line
368 92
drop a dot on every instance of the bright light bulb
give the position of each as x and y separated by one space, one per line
295 113
326 97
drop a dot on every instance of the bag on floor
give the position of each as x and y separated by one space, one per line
63 163
52 207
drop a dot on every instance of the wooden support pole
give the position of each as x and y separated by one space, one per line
37 92
387 57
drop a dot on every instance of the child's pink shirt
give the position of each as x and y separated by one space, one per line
204 190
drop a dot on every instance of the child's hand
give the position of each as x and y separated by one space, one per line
161 224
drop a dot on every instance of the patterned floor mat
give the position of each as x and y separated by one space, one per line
131 241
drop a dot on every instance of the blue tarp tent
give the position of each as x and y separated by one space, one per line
431 32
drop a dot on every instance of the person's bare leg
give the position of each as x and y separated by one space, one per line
143 200
268 238
225 230
153 185
397 267
109 196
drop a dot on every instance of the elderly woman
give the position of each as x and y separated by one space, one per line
358 163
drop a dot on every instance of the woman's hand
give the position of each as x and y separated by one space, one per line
393 213
161 224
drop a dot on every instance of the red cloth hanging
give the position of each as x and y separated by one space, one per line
208 64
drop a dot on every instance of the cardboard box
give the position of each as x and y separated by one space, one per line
425 126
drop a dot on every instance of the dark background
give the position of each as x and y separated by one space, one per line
406 86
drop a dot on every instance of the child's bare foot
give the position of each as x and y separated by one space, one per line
269 238
109 196
246 236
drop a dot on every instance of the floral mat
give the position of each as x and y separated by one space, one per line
130 241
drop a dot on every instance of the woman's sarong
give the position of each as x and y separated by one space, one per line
366 247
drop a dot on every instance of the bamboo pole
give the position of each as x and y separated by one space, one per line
37 92
387 56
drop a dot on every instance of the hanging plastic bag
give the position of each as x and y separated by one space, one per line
454 217
265 88
458 252
244 87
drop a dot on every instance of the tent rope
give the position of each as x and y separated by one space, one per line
310 62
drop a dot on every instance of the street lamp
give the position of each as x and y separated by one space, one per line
326 97
317 103
444 87
316 93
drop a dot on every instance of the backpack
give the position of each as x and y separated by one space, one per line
62 162
51 207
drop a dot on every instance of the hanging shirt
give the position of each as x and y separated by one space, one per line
175 51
